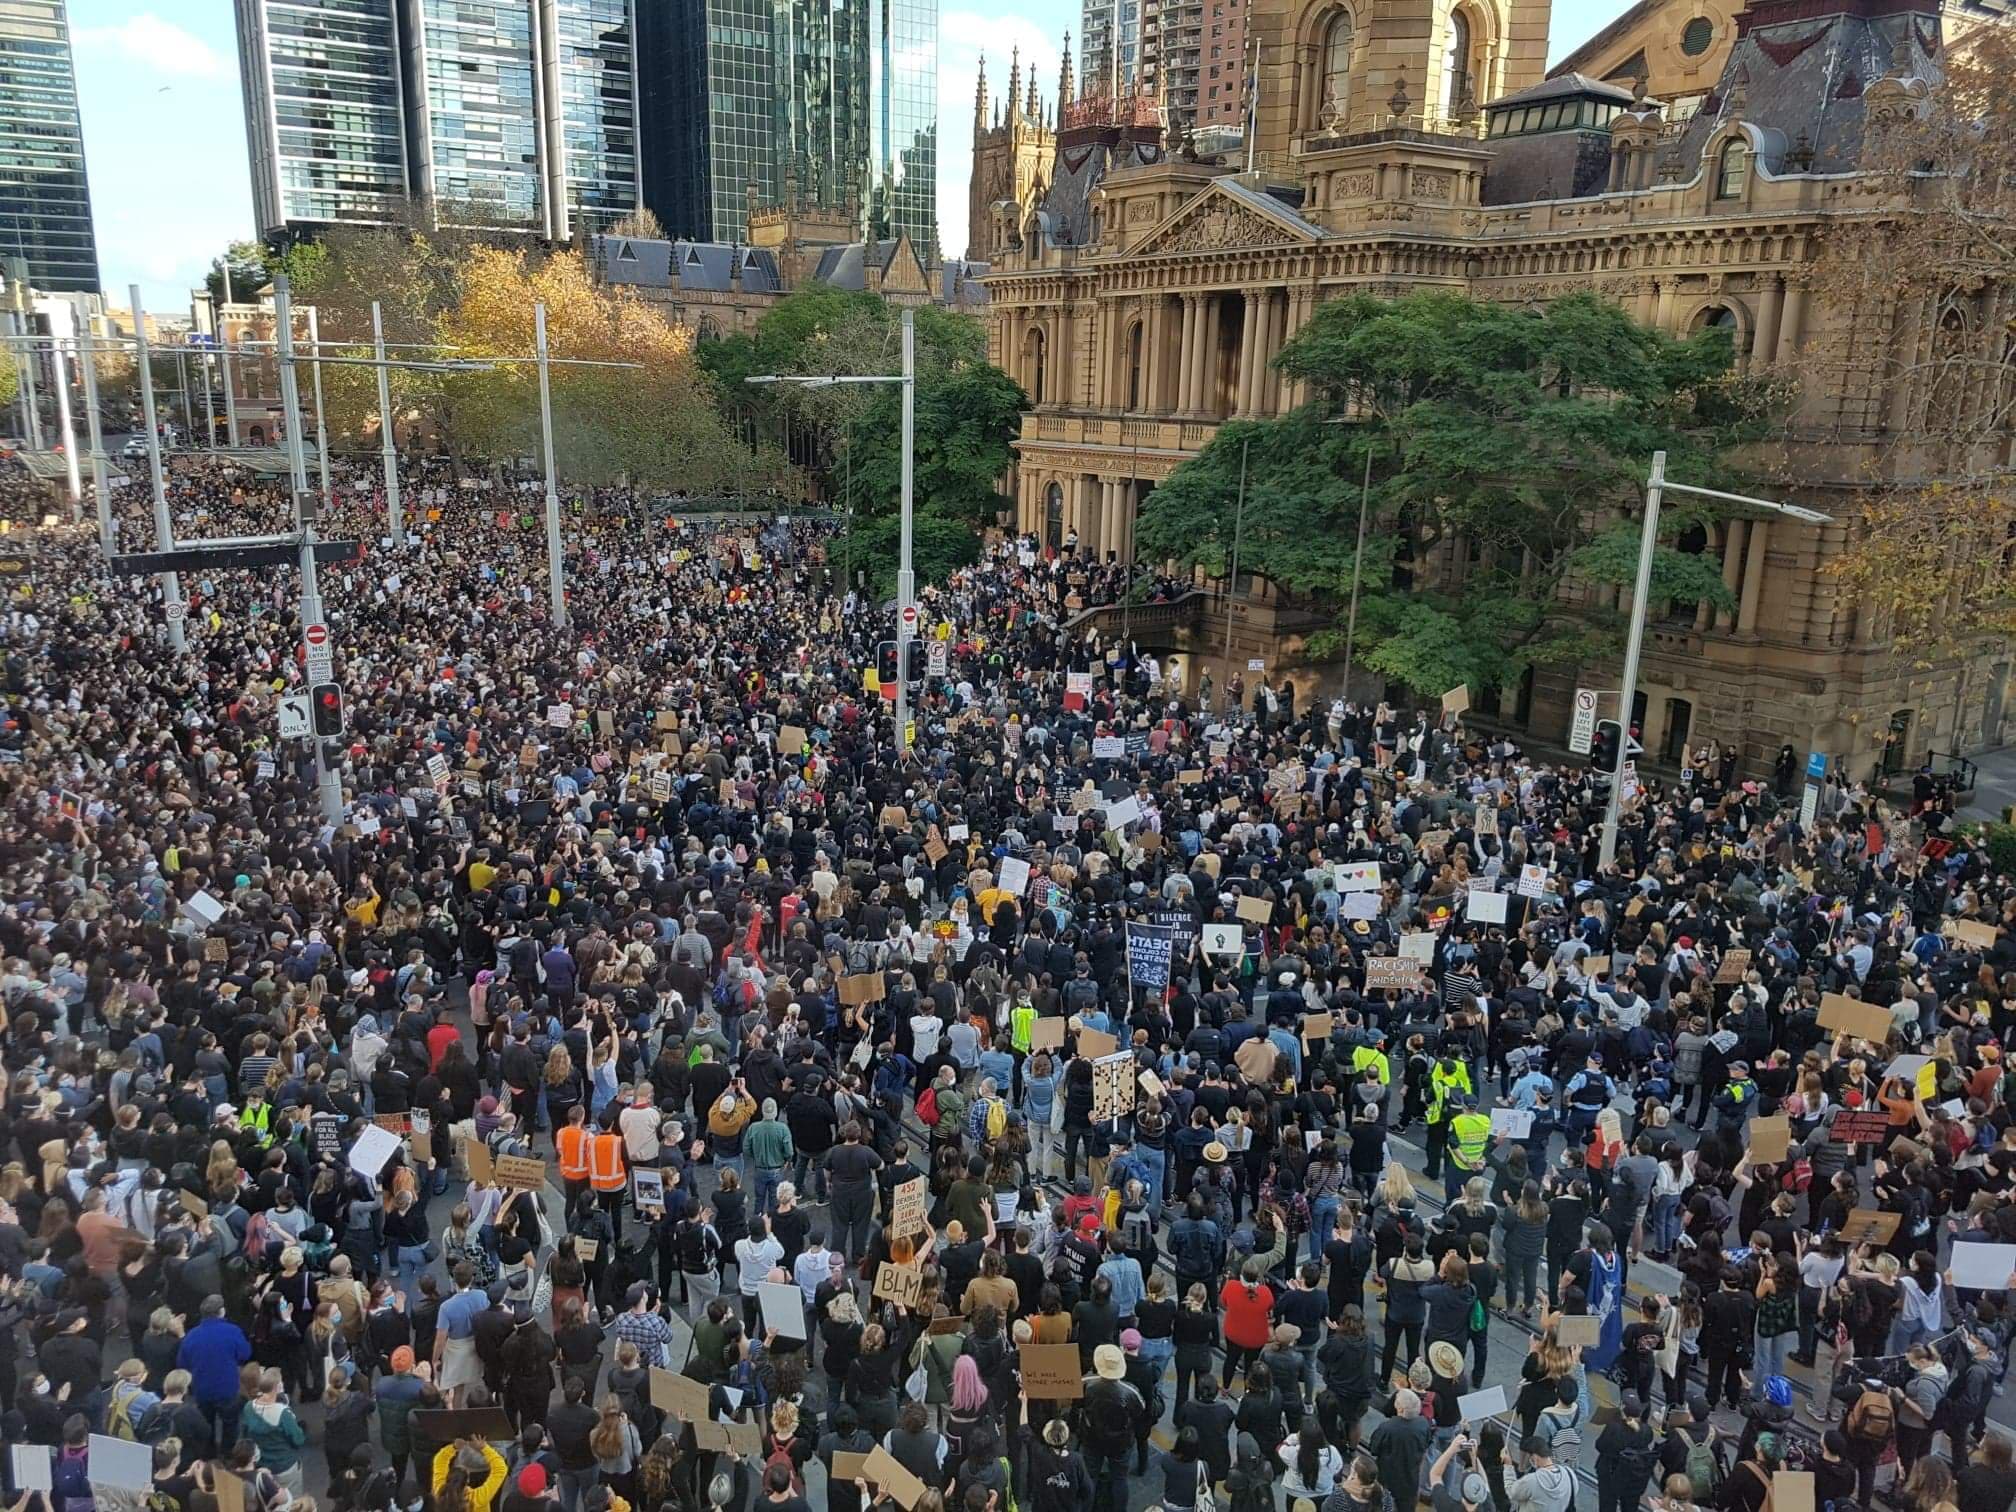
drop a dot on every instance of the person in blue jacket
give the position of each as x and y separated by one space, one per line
211 1352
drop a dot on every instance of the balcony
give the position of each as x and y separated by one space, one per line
1120 434
1195 621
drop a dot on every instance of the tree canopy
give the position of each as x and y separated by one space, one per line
1521 437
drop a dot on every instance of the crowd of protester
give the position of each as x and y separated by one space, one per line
1054 1031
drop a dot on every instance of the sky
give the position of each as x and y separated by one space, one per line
164 128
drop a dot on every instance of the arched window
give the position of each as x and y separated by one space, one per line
1334 103
1717 318
1732 168
1053 516
1458 88
1946 405
1034 367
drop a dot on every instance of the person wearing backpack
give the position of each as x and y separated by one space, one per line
1869 1428
1625 1457
1916 1404
129 1402
1692 1448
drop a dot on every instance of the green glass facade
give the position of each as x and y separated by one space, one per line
45 195
903 161
597 110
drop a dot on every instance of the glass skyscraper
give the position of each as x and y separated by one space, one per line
324 121
473 138
837 98
515 113
903 154
45 196
592 113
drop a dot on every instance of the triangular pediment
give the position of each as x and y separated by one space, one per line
1227 217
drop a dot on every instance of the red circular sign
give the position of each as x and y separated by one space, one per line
909 614
316 636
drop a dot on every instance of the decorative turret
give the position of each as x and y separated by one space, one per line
980 97
1014 77
1034 103
1064 75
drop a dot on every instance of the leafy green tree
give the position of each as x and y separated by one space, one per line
1518 437
939 546
964 423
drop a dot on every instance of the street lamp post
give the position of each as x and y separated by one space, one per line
906 577
1232 579
321 415
396 524
1657 486
60 370
224 360
87 359
164 531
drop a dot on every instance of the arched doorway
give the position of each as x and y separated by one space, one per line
1053 516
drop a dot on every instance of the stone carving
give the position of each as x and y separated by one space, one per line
1345 186
1140 210
1427 185
1219 225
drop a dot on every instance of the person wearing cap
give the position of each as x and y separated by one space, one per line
1058 1473
1625 1457
1737 1100
1109 1417
1448 1084
1469 1141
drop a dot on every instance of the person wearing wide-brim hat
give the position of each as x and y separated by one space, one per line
1057 1470
1108 1416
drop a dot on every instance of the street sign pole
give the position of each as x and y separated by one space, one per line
164 532
396 525
87 359
906 577
328 784
224 360
1582 733
61 371
321 414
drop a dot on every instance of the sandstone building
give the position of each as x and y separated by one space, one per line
1139 295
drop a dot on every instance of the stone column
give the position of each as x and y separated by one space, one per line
1212 335
1753 577
1151 354
1186 357
1197 357
1732 569
1091 518
1764 340
1123 511
1277 337
1249 351
1791 318
1663 319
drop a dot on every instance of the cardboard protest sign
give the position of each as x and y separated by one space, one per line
373 1148
1092 1044
1513 1123
1792 1491
1047 1033
1484 906
229 1489
1456 700
1734 966
1852 1015
1867 1226
1051 1373
790 740
863 987
680 1395
1318 1026
901 1284
520 1172
907 1205
889 1476
1770 1139
33 1471
1112 1087
848 1468
1255 910
1579 1329
1224 940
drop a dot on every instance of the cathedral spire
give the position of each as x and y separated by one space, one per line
1014 78
1034 102
980 97
1064 76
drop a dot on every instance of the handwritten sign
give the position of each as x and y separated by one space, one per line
907 1206
1051 1372
520 1172
1391 973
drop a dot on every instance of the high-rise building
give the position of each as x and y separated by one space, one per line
903 148
1109 45
829 102
325 123
45 195
519 114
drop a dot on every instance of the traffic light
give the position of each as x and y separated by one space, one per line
885 663
1605 748
326 700
915 654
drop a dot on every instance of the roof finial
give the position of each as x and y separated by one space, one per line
1064 76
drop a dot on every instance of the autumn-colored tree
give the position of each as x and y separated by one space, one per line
646 415
641 223
1934 558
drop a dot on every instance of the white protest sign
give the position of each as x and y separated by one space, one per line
121 1463
1224 940
1532 881
374 1147
1106 747
1360 905
1419 946
1014 874
1478 1405
32 1468
1485 906
1358 876
1127 811
1513 1123
1983 1267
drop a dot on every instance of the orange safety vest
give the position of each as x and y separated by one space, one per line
605 1163
573 1141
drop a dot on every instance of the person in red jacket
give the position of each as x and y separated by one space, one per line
1249 1306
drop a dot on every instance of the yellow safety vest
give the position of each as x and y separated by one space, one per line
1471 1132
1440 1086
1020 1019
1370 1055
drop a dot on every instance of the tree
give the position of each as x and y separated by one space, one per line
644 416
939 546
968 411
1518 437
641 224
1933 244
